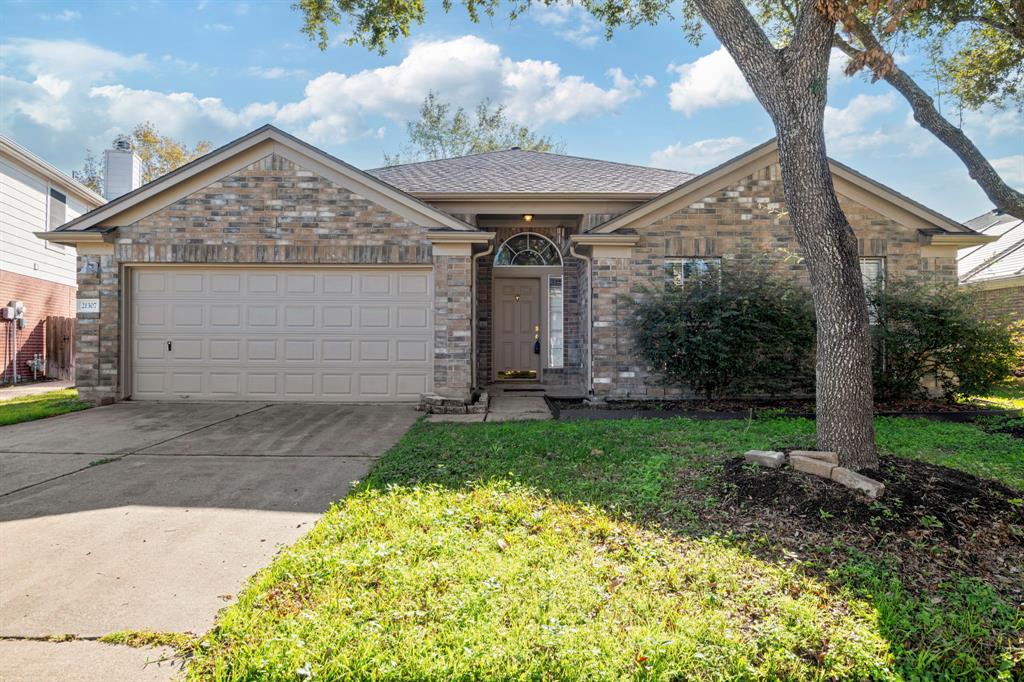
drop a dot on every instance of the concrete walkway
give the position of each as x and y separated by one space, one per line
10 392
151 516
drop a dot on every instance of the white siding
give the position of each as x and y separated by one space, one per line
23 211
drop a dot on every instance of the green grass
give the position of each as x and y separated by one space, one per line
1008 397
41 405
560 550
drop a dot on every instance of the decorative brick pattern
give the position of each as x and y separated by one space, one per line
738 223
42 299
271 212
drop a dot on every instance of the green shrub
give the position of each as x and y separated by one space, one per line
927 330
744 330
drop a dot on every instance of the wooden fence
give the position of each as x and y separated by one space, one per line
60 347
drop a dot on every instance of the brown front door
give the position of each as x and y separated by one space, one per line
517 328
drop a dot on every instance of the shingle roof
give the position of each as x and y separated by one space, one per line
998 259
516 170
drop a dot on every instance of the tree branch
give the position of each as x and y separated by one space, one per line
981 171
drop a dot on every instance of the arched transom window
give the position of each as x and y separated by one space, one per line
528 248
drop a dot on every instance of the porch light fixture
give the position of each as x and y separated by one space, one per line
527 217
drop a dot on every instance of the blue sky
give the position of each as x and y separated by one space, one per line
74 74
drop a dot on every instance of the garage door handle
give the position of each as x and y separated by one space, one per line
168 345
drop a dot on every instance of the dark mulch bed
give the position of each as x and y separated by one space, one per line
760 405
933 520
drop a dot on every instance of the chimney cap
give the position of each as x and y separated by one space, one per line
122 143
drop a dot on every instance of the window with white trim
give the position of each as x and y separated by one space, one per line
58 209
528 248
872 273
556 331
679 270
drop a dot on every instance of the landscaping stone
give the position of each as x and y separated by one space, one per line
765 458
810 465
817 454
854 481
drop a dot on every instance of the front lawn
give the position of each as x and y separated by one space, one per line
40 405
631 549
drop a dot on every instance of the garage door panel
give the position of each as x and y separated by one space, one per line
225 315
300 334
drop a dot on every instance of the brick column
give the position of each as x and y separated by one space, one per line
452 325
98 335
612 278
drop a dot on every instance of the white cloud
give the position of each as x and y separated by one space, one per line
1011 169
714 80
993 123
222 28
851 118
66 15
856 127
72 95
699 156
463 71
73 60
571 23
274 72
176 113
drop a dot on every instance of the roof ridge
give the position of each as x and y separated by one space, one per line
531 151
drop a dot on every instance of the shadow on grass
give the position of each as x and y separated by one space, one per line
941 618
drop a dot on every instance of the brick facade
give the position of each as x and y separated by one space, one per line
271 212
42 299
1002 304
738 223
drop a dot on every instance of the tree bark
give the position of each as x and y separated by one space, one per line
1004 197
791 84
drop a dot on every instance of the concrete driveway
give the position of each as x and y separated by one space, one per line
150 516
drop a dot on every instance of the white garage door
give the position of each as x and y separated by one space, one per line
297 334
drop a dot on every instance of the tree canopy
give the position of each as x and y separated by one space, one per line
159 154
442 132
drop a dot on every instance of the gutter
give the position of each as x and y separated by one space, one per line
473 304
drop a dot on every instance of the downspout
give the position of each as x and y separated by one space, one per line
472 355
590 318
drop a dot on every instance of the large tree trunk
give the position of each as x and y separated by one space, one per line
791 84
1004 197
844 395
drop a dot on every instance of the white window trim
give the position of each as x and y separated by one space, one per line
673 263
551 363
554 246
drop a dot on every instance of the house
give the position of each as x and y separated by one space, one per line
996 269
35 197
270 270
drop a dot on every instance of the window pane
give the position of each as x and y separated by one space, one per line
58 209
528 249
556 337
682 269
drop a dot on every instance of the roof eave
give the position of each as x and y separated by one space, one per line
51 172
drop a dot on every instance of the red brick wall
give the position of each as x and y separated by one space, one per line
41 299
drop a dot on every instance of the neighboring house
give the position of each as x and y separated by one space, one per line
35 197
996 268
270 270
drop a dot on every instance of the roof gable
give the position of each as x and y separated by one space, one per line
518 171
235 155
998 259
848 182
